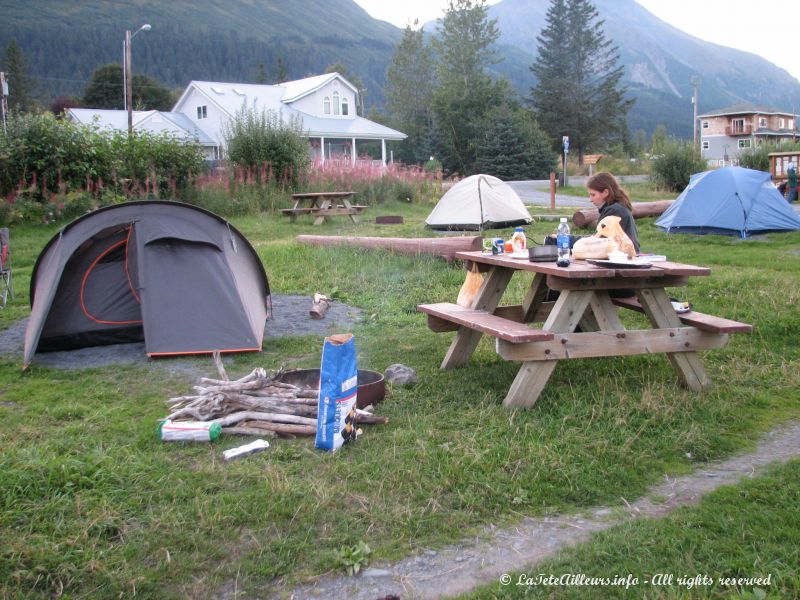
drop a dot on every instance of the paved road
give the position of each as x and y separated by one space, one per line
536 192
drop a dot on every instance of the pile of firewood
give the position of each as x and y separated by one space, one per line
257 404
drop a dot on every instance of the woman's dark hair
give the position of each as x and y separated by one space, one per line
605 181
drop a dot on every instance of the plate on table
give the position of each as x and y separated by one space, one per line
523 255
621 264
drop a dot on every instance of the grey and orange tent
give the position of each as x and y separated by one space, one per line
175 276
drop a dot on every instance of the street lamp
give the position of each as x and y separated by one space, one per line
127 74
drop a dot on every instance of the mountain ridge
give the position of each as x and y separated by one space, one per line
250 40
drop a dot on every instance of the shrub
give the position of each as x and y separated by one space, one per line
53 168
758 157
41 155
256 140
677 162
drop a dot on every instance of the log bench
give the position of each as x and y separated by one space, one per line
442 314
699 320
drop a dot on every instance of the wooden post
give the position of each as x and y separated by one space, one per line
552 191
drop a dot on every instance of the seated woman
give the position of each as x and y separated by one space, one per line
610 199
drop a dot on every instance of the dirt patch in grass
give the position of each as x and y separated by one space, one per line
290 318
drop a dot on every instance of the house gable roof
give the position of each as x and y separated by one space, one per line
294 90
745 109
154 121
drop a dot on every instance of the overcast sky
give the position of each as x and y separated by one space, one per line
769 28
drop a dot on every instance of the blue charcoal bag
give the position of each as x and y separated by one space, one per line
338 387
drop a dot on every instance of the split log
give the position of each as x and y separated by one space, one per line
445 247
247 415
319 306
248 431
281 428
217 357
587 218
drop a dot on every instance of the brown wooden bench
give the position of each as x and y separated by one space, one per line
699 320
289 212
480 320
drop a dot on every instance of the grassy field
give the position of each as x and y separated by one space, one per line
742 541
93 505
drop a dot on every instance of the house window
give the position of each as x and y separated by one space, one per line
202 112
790 124
705 124
762 122
744 143
705 145
326 105
345 106
737 125
336 103
781 123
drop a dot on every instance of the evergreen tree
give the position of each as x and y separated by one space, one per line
409 91
514 148
578 91
466 93
20 86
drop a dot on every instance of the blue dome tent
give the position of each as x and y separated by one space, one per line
729 201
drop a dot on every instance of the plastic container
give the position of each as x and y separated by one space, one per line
562 242
188 431
518 241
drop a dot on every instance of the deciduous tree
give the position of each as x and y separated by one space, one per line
466 93
105 90
409 92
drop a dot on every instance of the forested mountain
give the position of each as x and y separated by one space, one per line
64 41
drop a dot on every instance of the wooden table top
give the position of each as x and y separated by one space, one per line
581 269
323 194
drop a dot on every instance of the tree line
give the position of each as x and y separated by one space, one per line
439 92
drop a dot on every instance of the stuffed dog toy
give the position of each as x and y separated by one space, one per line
609 228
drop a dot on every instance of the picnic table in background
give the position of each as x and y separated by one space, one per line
323 205
584 303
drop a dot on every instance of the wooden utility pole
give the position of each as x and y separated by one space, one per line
3 99
695 81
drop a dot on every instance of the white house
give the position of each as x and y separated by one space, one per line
325 105
153 121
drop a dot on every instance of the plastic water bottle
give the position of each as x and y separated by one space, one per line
562 241
518 240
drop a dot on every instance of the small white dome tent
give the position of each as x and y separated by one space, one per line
479 202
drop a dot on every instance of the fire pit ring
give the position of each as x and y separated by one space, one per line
371 385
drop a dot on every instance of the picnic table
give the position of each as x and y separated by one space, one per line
584 300
323 205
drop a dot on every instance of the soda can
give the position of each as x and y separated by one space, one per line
499 246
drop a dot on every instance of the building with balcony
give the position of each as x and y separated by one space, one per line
725 133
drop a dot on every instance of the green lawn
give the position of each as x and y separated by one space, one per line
742 541
93 505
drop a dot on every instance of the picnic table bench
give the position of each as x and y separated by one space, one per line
583 322
323 205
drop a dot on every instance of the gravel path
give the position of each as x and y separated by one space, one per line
289 318
459 568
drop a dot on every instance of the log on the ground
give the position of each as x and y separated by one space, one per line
587 218
445 247
319 306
